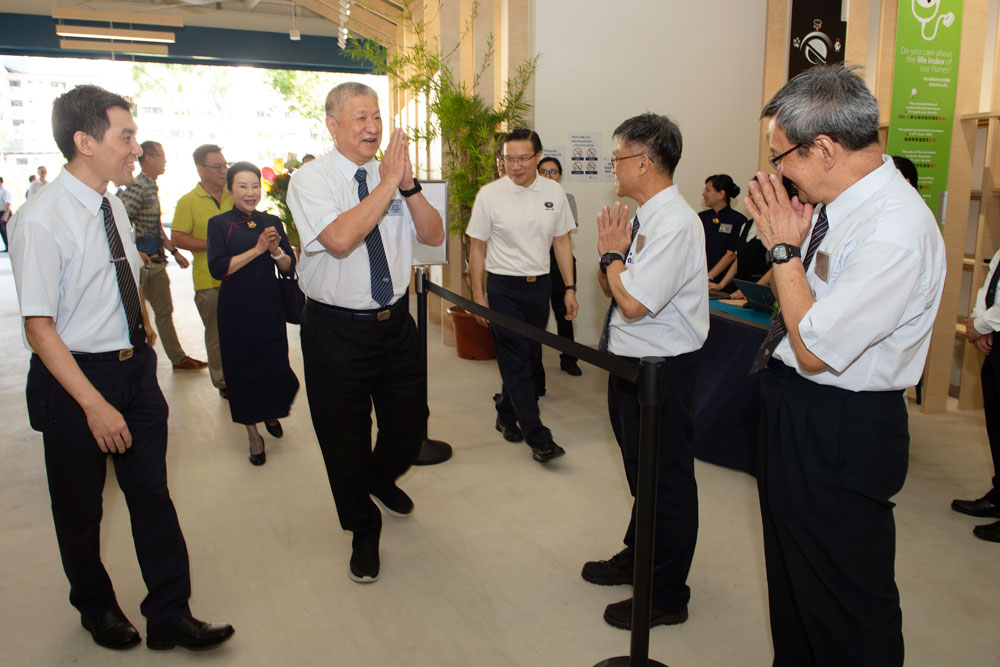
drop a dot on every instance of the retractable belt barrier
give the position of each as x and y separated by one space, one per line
648 375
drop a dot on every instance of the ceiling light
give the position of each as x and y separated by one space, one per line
119 47
115 33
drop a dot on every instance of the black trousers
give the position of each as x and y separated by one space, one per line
676 488
830 460
517 356
76 470
564 327
991 406
351 365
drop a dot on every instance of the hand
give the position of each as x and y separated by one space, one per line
266 238
484 302
146 262
778 219
970 330
392 168
407 182
181 260
572 308
614 229
985 343
109 428
737 295
150 336
713 285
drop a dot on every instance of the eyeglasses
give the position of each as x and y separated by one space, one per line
217 167
517 160
616 160
549 172
775 160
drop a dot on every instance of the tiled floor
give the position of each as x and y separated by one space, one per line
486 572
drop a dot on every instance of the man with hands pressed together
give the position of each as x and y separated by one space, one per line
858 269
356 219
515 220
653 268
92 388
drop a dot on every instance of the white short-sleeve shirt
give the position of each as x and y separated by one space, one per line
518 224
317 194
987 319
63 267
665 272
884 271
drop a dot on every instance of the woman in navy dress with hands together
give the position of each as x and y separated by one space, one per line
244 246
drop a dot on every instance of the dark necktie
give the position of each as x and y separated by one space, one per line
778 330
991 291
378 265
602 345
126 282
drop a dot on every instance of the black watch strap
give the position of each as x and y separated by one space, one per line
412 191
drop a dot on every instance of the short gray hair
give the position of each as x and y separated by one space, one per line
826 99
657 135
338 96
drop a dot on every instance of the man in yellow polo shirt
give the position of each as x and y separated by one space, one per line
189 231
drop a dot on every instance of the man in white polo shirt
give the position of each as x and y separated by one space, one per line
653 268
515 220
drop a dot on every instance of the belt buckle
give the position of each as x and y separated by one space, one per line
125 355
531 279
383 315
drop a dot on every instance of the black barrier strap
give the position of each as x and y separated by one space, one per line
609 362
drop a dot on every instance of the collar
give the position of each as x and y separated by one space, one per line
83 193
201 192
536 185
348 168
852 197
149 181
656 202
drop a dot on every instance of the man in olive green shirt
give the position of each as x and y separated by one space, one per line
189 231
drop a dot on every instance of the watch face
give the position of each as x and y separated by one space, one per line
779 253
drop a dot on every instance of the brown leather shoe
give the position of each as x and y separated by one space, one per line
189 365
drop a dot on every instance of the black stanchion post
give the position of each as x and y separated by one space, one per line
650 399
431 451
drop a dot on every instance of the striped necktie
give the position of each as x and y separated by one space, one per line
126 282
602 345
378 265
778 330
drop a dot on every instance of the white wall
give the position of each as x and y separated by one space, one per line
701 63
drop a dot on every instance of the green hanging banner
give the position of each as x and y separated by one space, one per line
924 85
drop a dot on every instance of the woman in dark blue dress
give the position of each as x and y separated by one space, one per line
244 246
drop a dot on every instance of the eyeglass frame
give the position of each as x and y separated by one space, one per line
775 160
515 161
549 172
616 160
216 167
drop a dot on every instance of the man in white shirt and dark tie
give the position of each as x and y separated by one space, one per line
653 268
858 269
357 218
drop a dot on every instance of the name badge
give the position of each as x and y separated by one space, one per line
395 207
822 266
726 228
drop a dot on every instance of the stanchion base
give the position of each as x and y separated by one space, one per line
433 452
625 661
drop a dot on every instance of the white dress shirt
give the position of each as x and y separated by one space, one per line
987 320
871 322
665 272
317 194
518 224
5 199
63 267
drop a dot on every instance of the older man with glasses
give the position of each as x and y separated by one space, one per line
189 231
515 220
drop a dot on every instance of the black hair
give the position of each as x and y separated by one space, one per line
204 151
724 183
147 146
551 159
658 135
236 168
907 169
83 109
524 134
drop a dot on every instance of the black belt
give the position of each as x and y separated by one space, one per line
376 315
115 355
518 279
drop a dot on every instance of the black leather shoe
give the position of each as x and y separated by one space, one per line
612 572
393 500
547 452
364 560
990 532
982 507
112 630
274 428
190 633
619 614
510 433
259 458
571 368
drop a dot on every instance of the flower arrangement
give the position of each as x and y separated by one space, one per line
276 178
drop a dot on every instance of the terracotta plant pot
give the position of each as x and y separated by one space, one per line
471 340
